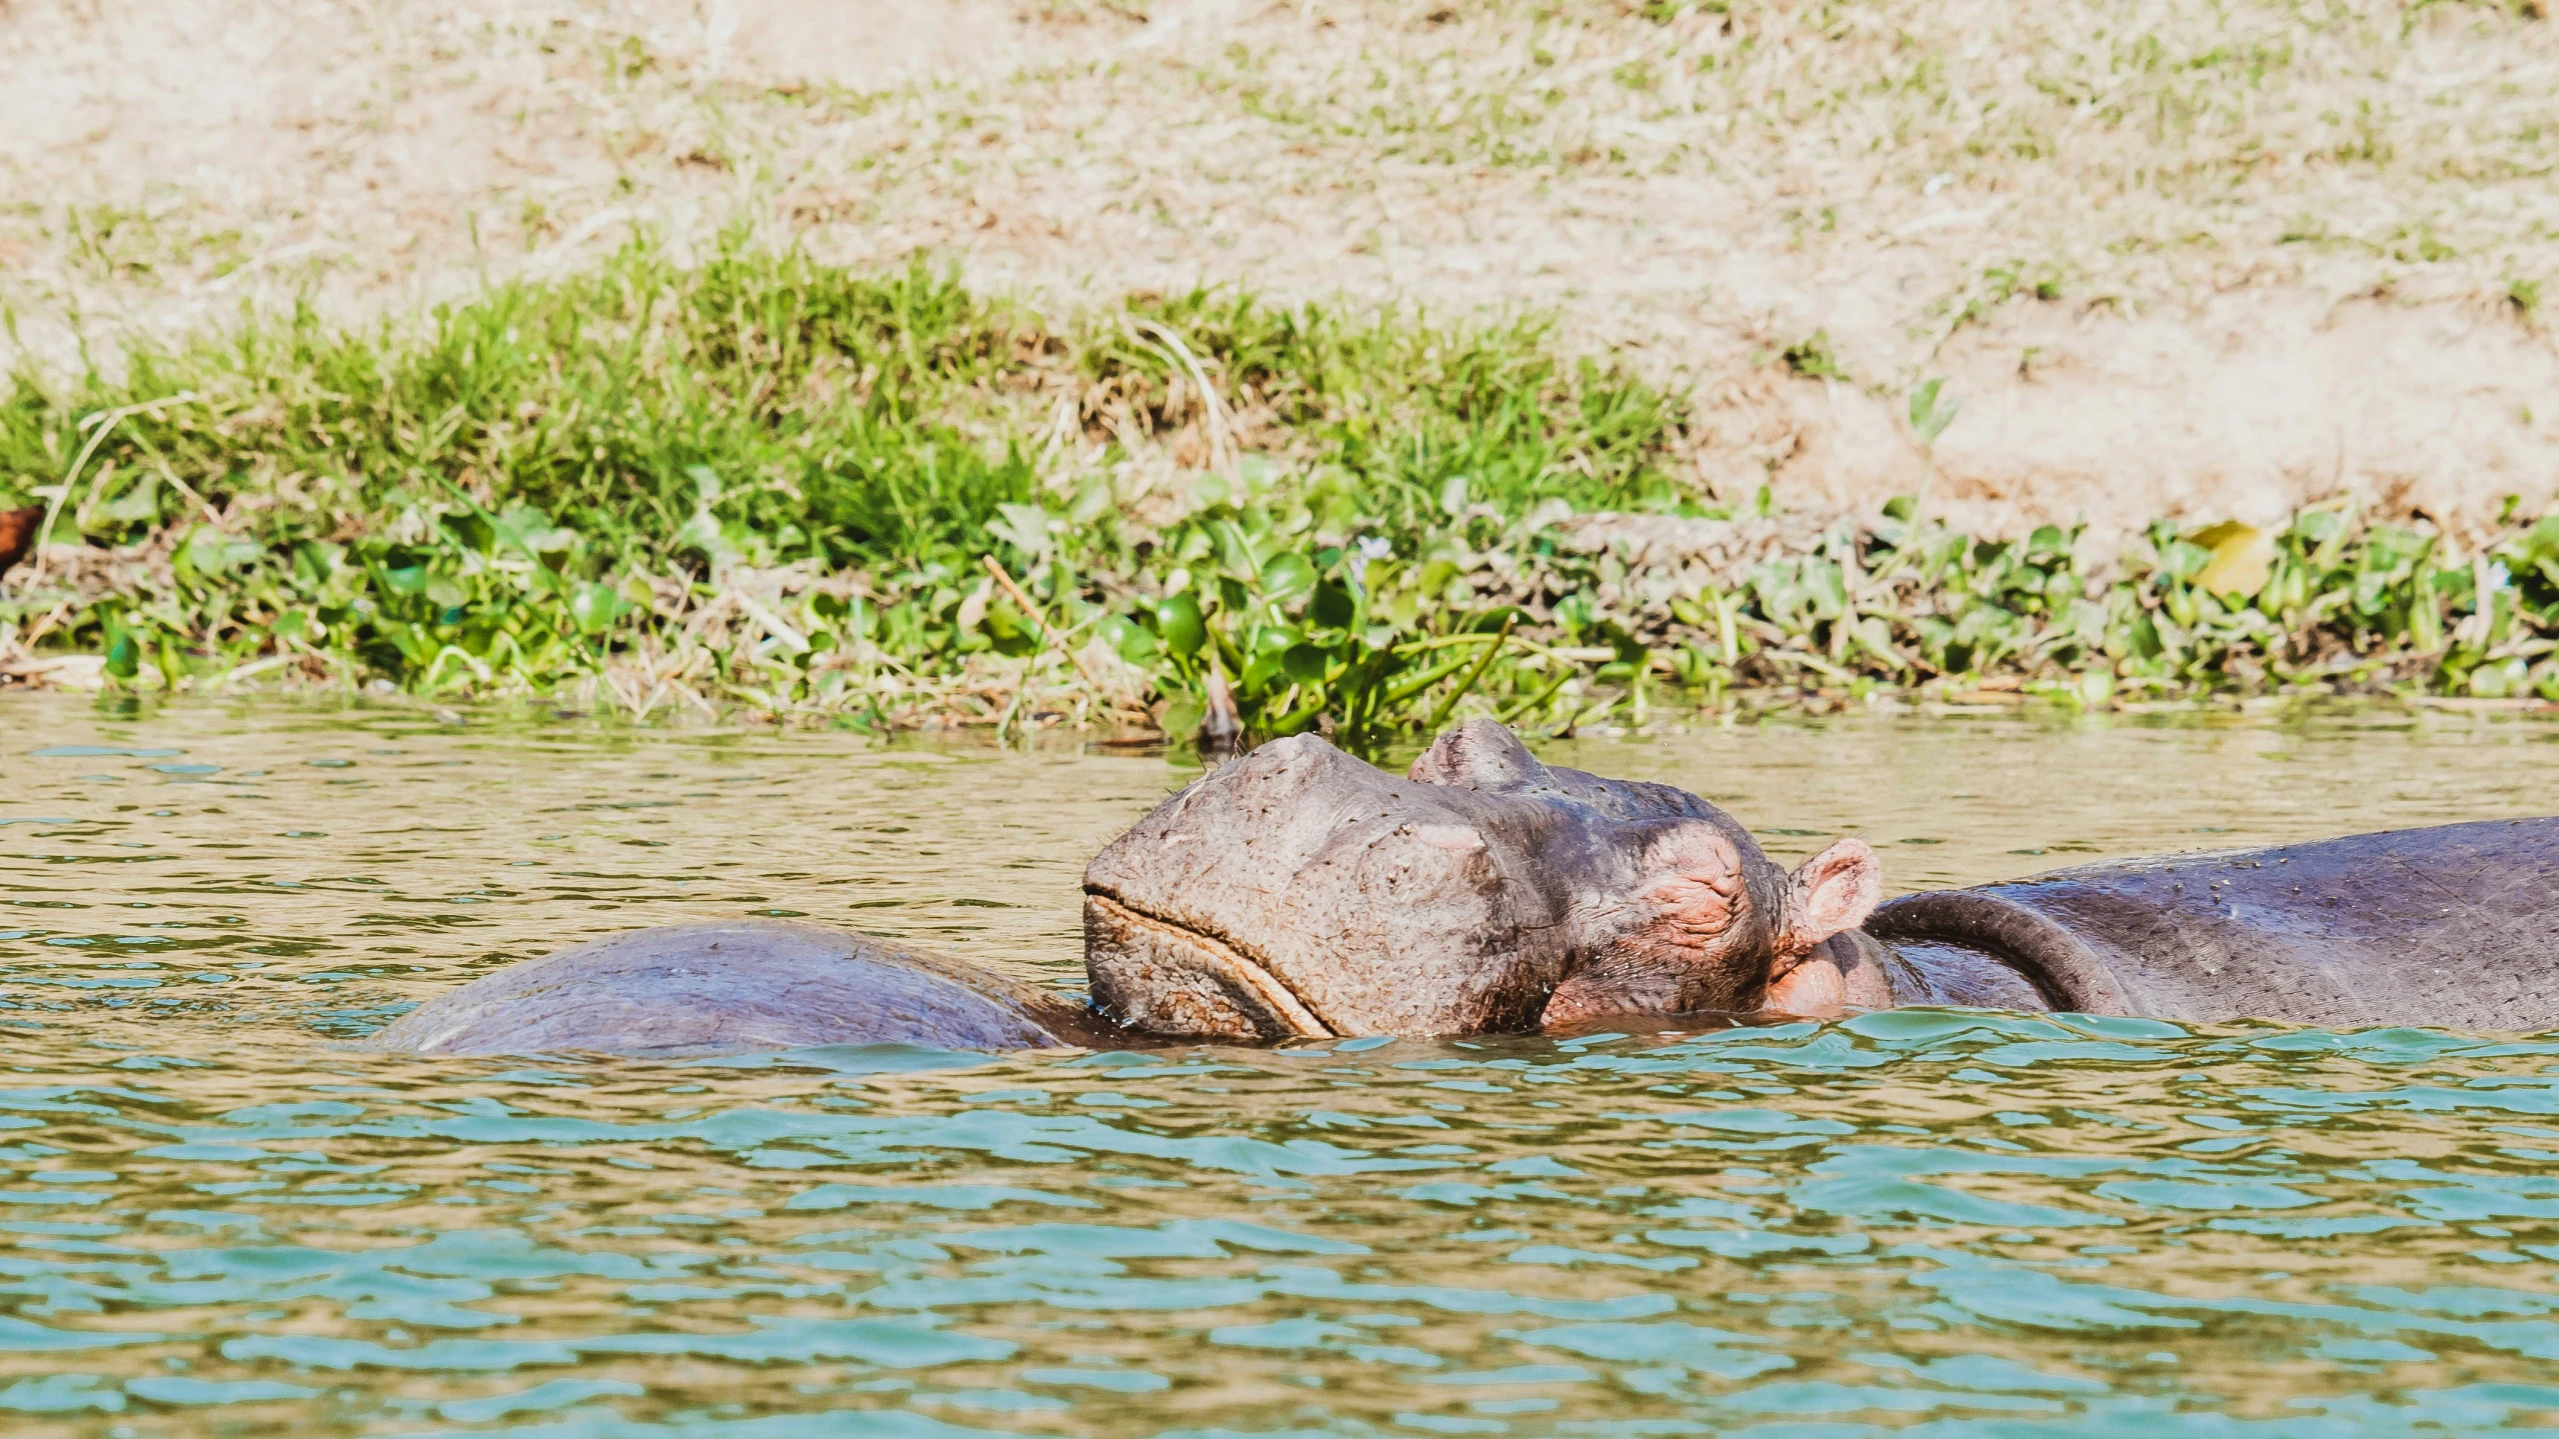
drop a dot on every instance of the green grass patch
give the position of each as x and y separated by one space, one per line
768 482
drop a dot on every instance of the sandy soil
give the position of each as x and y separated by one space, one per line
2175 258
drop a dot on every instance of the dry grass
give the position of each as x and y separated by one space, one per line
2176 257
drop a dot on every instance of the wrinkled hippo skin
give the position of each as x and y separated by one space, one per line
1300 891
1303 892
736 987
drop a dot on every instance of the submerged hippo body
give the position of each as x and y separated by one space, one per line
1301 892
736 987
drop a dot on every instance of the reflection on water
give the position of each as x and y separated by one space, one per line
218 1219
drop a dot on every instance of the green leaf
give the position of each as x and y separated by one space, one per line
1306 664
2499 680
2144 639
1257 676
1024 527
1235 553
2184 560
1287 576
209 552
316 562
1332 606
1931 412
595 607
1092 501
1178 620
1825 589
531 531
702 533
1135 643
137 506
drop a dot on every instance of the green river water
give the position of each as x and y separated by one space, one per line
218 1217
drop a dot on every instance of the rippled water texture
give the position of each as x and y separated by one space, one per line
218 1219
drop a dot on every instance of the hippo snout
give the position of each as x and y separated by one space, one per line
1160 977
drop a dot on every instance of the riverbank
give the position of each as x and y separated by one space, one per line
2183 260
772 485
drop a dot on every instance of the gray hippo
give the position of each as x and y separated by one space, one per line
1302 892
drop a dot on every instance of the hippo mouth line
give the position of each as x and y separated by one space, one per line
1284 1014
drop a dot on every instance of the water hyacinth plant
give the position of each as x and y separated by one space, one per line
768 484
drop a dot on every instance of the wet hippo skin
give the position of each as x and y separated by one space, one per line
1303 892
2454 926
736 987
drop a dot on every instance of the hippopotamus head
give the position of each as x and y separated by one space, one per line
1303 891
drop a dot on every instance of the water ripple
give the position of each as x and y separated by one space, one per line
216 1218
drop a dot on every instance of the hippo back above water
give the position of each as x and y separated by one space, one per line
2454 926
1302 892
736 987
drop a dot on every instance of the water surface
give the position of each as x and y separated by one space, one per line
218 1218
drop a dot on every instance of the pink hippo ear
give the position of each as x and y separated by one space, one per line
1834 891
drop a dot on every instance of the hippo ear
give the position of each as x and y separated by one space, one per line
1479 754
1834 891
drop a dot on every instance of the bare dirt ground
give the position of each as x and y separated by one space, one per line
2176 258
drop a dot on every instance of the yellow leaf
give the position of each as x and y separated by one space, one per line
2242 559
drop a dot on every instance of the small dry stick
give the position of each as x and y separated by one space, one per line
210 513
1047 635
